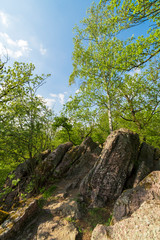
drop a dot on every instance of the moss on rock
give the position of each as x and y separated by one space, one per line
3 216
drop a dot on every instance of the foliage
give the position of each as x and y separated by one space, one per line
96 60
24 117
131 13
110 96
139 97
62 122
48 193
5 169
98 216
109 221
131 99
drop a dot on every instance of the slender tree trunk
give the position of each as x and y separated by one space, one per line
107 80
109 115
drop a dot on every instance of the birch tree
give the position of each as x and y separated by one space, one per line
96 50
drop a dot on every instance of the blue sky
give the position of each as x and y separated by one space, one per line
41 32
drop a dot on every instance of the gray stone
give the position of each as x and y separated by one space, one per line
105 181
131 199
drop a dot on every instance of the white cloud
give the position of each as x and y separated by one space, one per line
61 98
14 48
4 19
42 50
53 95
49 102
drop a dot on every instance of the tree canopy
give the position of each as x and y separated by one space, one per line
131 13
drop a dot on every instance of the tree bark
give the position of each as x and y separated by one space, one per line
110 115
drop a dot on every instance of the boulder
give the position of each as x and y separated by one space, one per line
26 168
49 164
131 199
65 208
75 156
78 161
17 219
60 230
18 180
99 233
143 224
156 159
105 181
145 162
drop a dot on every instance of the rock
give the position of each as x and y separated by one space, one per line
49 164
131 199
99 233
18 180
17 219
59 230
156 165
3 216
143 224
66 208
105 181
9 200
145 162
26 168
78 160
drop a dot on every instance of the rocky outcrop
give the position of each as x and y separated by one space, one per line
131 199
106 179
3 216
59 230
79 160
17 218
143 224
100 233
85 176
17 181
25 169
145 162
48 166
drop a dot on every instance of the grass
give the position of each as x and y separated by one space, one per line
46 193
91 218
98 216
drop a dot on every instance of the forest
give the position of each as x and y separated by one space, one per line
119 86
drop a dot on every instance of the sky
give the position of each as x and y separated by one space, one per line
41 32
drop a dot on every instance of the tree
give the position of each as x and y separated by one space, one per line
139 99
95 56
24 117
62 122
131 13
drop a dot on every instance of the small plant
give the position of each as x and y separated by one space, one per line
30 187
80 229
41 202
15 182
70 219
42 190
48 193
11 176
97 216
108 223
22 196
6 191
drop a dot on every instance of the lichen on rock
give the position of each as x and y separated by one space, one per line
3 216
